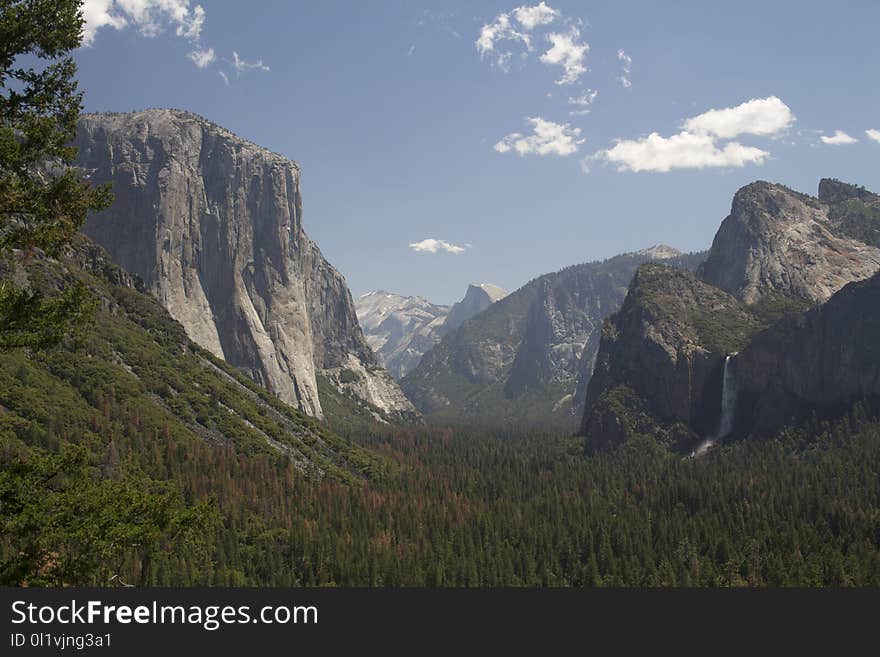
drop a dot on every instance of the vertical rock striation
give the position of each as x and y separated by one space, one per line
213 225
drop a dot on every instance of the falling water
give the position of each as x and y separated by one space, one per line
728 406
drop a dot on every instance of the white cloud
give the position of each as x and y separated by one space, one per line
501 29
627 62
225 77
241 65
149 17
582 102
759 116
547 138
568 52
873 134
584 99
513 26
96 14
839 138
698 145
202 58
682 151
431 245
532 17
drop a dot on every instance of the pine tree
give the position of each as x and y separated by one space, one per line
43 200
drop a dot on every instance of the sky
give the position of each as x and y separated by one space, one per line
444 143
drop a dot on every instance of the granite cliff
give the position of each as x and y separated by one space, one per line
776 257
820 362
213 225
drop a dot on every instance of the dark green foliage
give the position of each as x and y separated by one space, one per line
775 306
626 417
134 402
857 219
43 202
349 376
63 523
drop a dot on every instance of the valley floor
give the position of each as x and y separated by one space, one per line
453 508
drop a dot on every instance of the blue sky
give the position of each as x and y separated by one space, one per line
417 121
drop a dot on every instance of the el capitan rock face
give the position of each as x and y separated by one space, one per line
213 225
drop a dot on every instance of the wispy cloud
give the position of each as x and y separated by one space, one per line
626 62
202 58
492 34
873 135
547 138
698 145
432 245
154 17
241 65
583 102
839 138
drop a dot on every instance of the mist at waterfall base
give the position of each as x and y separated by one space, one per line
728 406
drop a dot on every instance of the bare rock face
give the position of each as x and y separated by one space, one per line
476 300
402 329
213 225
819 362
529 356
399 329
660 359
776 240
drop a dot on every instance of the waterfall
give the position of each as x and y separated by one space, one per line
728 406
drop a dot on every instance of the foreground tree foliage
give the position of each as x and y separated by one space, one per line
43 202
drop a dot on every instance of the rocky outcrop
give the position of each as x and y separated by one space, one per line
820 362
476 300
777 254
667 346
776 240
213 225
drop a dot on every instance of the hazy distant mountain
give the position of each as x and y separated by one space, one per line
530 354
400 329
476 300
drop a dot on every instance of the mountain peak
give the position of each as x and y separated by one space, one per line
660 252
478 297
495 293
779 241
832 190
